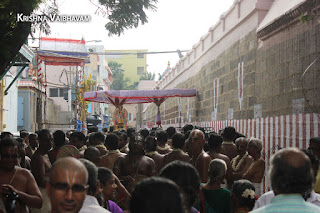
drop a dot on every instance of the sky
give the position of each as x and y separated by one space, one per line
177 24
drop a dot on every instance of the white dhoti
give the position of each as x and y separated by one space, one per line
258 189
46 204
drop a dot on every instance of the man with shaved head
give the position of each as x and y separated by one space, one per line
241 163
67 187
291 179
255 172
200 159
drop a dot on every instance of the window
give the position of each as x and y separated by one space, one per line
140 70
63 92
54 92
140 55
59 92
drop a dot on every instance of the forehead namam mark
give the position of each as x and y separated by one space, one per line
70 169
71 173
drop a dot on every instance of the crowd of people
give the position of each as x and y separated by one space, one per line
154 170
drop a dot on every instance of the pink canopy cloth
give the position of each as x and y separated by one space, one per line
120 97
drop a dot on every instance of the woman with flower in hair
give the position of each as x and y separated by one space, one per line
243 196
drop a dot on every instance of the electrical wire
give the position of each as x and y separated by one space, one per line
115 53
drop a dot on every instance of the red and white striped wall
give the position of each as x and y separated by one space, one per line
278 131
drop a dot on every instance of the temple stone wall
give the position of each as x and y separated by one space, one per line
276 80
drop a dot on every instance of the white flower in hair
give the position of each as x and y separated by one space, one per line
247 193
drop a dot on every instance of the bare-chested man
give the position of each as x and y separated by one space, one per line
109 159
67 187
15 180
162 138
171 131
33 145
178 143
135 166
228 147
150 146
123 142
242 162
40 167
98 141
25 136
59 140
214 142
24 161
200 159
78 140
144 133
255 172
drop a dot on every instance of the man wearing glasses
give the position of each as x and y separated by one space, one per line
67 187
18 188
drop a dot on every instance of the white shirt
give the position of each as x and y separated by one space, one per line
268 196
91 204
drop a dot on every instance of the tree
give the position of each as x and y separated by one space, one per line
125 14
147 76
13 34
119 81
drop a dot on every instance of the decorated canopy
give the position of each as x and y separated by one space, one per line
63 52
121 97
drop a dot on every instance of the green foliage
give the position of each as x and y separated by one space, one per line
122 14
147 76
119 82
14 34
126 14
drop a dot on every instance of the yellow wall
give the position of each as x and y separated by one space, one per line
93 62
130 63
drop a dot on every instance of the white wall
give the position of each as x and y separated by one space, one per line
11 105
